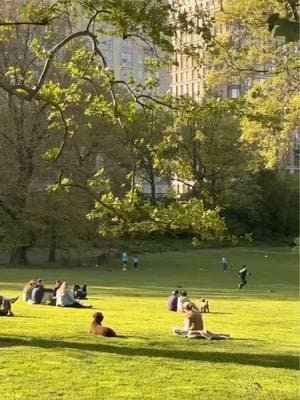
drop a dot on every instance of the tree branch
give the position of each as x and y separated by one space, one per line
43 23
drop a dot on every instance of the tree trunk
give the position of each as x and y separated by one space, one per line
153 191
19 255
52 250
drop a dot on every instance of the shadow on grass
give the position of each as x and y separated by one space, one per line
261 360
217 313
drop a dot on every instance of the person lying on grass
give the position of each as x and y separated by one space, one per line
5 306
98 329
193 326
65 297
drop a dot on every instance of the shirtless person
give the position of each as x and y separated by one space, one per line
193 326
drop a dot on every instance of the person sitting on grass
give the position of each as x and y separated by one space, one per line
98 329
27 290
56 287
38 291
65 298
204 306
193 326
80 292
182 299
172 301
5 306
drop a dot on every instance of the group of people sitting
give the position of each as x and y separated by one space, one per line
60 295
193 323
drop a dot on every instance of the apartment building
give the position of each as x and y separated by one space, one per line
129 58
189 78
165 187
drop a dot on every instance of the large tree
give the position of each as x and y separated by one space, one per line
58 67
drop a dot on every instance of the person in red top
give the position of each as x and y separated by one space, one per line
98 329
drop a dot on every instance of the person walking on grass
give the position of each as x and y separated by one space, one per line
224 264
243 273
135 261
124 261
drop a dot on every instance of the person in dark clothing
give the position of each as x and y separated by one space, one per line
172 301
80 292
243 273
41 295
38 291
56 287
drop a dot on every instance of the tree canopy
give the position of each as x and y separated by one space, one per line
66 110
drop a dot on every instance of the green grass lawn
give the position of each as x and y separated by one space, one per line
47 353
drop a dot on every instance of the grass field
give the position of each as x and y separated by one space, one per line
47 353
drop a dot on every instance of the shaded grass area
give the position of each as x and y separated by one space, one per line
48 353
263 360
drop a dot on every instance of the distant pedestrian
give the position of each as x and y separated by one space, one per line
224 264
124 261
243 273
135 261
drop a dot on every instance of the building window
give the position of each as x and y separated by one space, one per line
185 89
196 91
140 75
125 73
126 59
107 43
108 55
234 91
127 44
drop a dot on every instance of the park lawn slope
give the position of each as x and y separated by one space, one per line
48 353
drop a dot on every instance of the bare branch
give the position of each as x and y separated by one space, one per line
62 44
93 196
16 23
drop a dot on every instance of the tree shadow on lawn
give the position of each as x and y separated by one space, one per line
261 360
